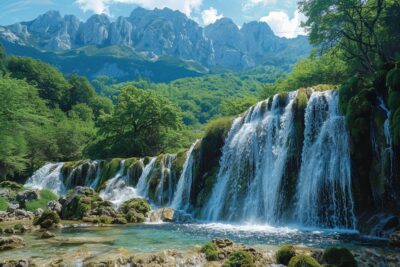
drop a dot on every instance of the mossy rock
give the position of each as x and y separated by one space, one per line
339 257
11 185
211 251
393 79
396 127
109 170
284 254
47 219
303 261
239 259
135 210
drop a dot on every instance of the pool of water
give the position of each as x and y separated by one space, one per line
157 237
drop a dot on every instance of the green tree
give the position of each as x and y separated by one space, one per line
138 126
50 82
2 60
365 30
101 105
81 90
20 109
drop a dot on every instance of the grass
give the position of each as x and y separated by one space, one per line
3 204
45 196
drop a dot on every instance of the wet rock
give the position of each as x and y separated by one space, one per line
54 205
9 231
47 235
22 228
11 242
394 239
48 219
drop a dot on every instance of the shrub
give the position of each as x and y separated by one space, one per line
284 254
339 257
240 259
45 196
393 79
211 251
303 261
3 204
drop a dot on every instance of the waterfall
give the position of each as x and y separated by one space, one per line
95 183
181 200
324 196
143 185
166 165
117 189
388 151
49 177
253 163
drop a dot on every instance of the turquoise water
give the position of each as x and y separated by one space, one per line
156 237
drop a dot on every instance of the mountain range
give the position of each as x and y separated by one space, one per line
149 40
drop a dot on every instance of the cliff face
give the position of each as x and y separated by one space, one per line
161 32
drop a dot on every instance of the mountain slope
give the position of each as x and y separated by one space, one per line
162 32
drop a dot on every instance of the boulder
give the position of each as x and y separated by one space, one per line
54 205
394 239
11 242
38 212
12 207
48 219
47 235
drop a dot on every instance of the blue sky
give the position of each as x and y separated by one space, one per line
282 15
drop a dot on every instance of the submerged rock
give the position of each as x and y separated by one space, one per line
11 242
47 234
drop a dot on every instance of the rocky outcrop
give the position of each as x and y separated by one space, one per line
160 32
12 242
47 220
135 210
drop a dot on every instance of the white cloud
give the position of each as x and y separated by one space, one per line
210 16
102 6
283 26
263 2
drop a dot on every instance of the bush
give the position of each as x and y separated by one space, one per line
211 251
303 261
339 257
45 196
240 259
284 254
3 204
394 100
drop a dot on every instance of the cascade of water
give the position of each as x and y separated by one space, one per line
324 196
170 182
143 185
92 173
181 200
117 189
166 164
95 183
252 165
49 177
388 152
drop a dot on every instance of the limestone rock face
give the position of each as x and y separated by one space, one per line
95 30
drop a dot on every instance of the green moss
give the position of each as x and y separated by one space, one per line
339 257
282 99
211 251
324 87
135 210
45 196
239 259
394 100
284 254
106 219
68 167
303 261
109 170
3 204
349 89
11 185
47 219
396 127
393 79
